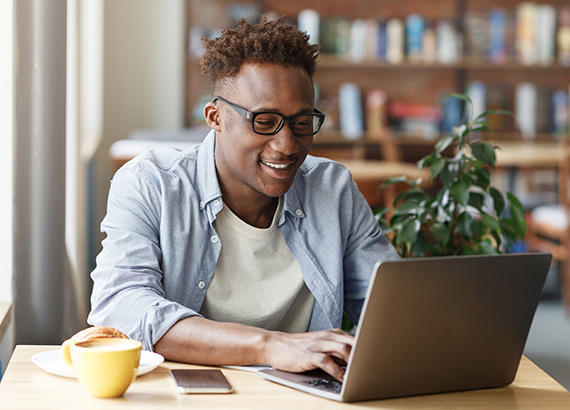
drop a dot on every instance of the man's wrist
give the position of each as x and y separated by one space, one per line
267 338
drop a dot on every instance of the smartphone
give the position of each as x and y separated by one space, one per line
200 381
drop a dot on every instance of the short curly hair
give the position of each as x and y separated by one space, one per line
270 41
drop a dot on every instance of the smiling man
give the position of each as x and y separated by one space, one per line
245 250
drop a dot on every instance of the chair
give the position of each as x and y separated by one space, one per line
549 225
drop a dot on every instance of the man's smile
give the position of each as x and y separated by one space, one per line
277 165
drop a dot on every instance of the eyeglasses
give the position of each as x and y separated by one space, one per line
270 123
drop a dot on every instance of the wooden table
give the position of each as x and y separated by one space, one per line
25 386
369 174
528 155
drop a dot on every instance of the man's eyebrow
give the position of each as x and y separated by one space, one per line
275 110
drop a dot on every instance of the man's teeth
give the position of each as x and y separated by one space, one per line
276 166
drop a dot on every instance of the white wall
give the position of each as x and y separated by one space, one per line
143 81
6 133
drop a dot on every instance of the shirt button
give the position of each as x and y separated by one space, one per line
213 239
202 204
298 212
216 202
201 284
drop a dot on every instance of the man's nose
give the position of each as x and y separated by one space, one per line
285 141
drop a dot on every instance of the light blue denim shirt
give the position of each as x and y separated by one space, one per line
161 249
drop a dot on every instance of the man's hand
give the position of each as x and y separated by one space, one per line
298 352
202 341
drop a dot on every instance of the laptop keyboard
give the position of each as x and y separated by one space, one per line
331 385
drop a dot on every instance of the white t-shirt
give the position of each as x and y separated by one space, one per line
257 280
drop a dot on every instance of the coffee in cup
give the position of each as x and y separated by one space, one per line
105 366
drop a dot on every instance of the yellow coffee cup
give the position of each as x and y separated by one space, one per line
105 366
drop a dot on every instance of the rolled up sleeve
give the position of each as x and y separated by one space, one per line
366 246
128 293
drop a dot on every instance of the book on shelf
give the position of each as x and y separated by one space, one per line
477 92
526 109
414 119
358 39
448 43
429 46
560 113
394 41
544 109
497 98
545 33
451 113
527 52
376 113
308 22
563 36
497 36
381 42
350 111
371 40
414 37
476 35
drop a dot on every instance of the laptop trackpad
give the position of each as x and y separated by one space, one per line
316 379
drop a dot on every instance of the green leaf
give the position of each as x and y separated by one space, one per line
443 196
464 223
413 195
436 166
508 228
443 143
380 213
409 231
486 248
480 128
407 208
484 152
460 191
440 233
490 222
459 130
483 178
425 161
498 200
449 174
393 180
492 112
420 245
478 228
517 214
398 220
476 200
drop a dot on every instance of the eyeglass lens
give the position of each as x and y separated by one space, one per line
304 124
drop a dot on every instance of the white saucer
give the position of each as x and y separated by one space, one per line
52 362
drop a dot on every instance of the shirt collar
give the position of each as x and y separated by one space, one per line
207 178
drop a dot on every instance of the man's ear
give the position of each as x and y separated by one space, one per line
212 115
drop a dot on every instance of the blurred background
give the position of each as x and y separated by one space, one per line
123 76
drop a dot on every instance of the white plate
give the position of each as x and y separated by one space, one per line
52 362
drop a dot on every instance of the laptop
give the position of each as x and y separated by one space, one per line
434 325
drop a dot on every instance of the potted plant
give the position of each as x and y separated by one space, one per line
467 215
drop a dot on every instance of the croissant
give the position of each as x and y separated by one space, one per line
97 332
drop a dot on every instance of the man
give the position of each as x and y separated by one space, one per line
244 250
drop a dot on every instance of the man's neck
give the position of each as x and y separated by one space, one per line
258 213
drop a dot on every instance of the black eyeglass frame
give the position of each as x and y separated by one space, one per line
251 115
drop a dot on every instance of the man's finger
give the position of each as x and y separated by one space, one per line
334 348
326 363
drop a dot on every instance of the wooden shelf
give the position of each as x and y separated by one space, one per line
333 61
337 138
